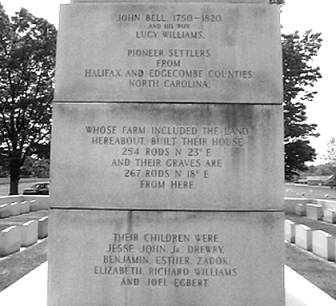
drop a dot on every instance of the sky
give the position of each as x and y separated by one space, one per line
301 15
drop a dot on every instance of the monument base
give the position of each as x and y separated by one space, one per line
32 290
165 258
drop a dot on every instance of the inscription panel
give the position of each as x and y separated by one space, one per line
169 53
181 156
155 258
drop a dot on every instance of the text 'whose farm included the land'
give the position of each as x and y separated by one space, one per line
166 157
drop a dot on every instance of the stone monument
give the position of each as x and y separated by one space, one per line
167 158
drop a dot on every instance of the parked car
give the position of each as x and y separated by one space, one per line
41 188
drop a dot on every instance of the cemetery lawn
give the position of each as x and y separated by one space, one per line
309 192
15 266
313 224
318 271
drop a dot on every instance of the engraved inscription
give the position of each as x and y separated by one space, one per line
171 67
170 52
167 157
166 259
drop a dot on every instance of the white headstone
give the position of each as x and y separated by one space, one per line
314 211
289 231
303 237
324 245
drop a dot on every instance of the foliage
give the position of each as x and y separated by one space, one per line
299 77
331 151
296 154
35 167
323 169
27 61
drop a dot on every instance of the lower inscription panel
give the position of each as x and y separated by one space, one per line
165 258
181 156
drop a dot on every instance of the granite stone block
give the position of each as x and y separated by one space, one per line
329 216
10 240
300 209
24 207
289 231
32 204
169 52
29 233
303 237
167 156
43 227
40 203
314 211
15 208
5 210
324 245
165 258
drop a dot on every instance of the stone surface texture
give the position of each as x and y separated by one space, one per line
32 290
92 249
15 208
303 237
314 211
29 233
5 210
95 69
24 207
40 203
289 231
43 227
324 245
10 240
167 167
329 216
300 209
202 176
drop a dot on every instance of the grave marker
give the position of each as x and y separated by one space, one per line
314 211
324 245
303 237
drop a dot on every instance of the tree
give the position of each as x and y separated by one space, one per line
299 78
27 62
330 156
320 170
36 167
331 151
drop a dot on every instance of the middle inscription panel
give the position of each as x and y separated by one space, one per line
181 156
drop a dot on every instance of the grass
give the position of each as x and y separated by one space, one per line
318 271
310 192
15 266
315 269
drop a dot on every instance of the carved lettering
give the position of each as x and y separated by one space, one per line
179 260
164 157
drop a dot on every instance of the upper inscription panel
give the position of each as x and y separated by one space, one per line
196 52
